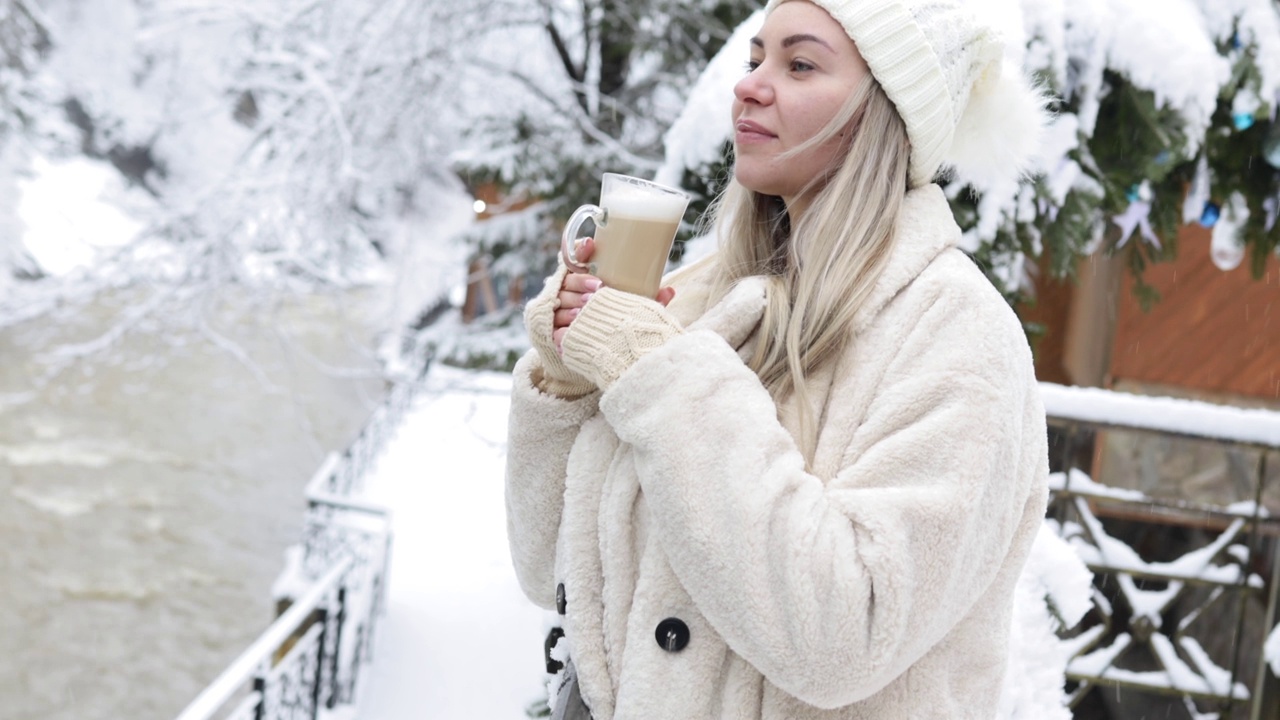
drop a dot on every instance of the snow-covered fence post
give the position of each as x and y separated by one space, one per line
1268 681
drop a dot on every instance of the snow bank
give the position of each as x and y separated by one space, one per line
1053 591
73 210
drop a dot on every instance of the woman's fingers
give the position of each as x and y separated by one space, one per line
580 283
583 247
564 317
574 293
578 290
582 250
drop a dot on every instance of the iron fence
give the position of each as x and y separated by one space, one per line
289 670
1183 549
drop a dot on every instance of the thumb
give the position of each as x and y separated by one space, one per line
738 313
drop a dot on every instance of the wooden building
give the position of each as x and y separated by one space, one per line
1214 334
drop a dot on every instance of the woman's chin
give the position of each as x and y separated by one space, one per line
756 182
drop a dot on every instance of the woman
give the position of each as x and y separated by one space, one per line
802 482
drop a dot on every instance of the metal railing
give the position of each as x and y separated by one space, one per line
300 682
310 659
1186 590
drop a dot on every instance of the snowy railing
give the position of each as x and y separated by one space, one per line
304 679
1191 625
310 659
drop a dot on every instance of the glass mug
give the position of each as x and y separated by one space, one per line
636 223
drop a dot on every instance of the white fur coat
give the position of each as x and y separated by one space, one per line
877 584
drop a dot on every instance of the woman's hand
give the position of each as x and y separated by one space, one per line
576 292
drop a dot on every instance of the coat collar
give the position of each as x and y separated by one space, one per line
926 228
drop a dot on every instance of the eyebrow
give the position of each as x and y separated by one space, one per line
795 40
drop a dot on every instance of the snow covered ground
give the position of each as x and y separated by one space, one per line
459 639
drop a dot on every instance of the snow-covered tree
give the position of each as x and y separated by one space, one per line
1166 116
592 87
269 145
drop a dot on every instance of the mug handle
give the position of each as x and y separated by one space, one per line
568 241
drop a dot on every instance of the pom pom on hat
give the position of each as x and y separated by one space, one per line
966 110
999 134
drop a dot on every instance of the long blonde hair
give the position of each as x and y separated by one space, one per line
823 265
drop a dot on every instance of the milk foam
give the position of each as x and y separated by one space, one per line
633 202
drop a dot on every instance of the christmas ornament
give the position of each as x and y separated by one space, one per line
1139 192
1242 121
1225 247
1211 214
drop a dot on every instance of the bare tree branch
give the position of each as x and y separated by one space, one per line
576 73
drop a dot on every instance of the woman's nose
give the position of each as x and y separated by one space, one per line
753 89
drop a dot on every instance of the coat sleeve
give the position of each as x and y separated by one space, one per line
833 589
541 429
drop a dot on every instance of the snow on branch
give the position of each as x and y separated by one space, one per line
1143 91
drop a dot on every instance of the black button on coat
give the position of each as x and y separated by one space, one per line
560 603
672 635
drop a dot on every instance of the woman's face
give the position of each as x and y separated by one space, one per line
803 68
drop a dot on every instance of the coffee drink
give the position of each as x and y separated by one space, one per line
636 223
633 242
631 253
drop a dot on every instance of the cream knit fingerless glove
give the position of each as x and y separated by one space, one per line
539 320
613 331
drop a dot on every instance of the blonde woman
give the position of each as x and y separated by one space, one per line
802 481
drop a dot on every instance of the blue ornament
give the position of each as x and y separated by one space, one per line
1212 213
1242 121
1235 42
1133 194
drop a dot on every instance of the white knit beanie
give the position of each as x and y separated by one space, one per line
965 108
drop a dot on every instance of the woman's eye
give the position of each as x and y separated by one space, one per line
752 65
800 66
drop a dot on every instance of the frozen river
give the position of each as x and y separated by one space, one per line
147 497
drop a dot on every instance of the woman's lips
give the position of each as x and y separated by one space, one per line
752 132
